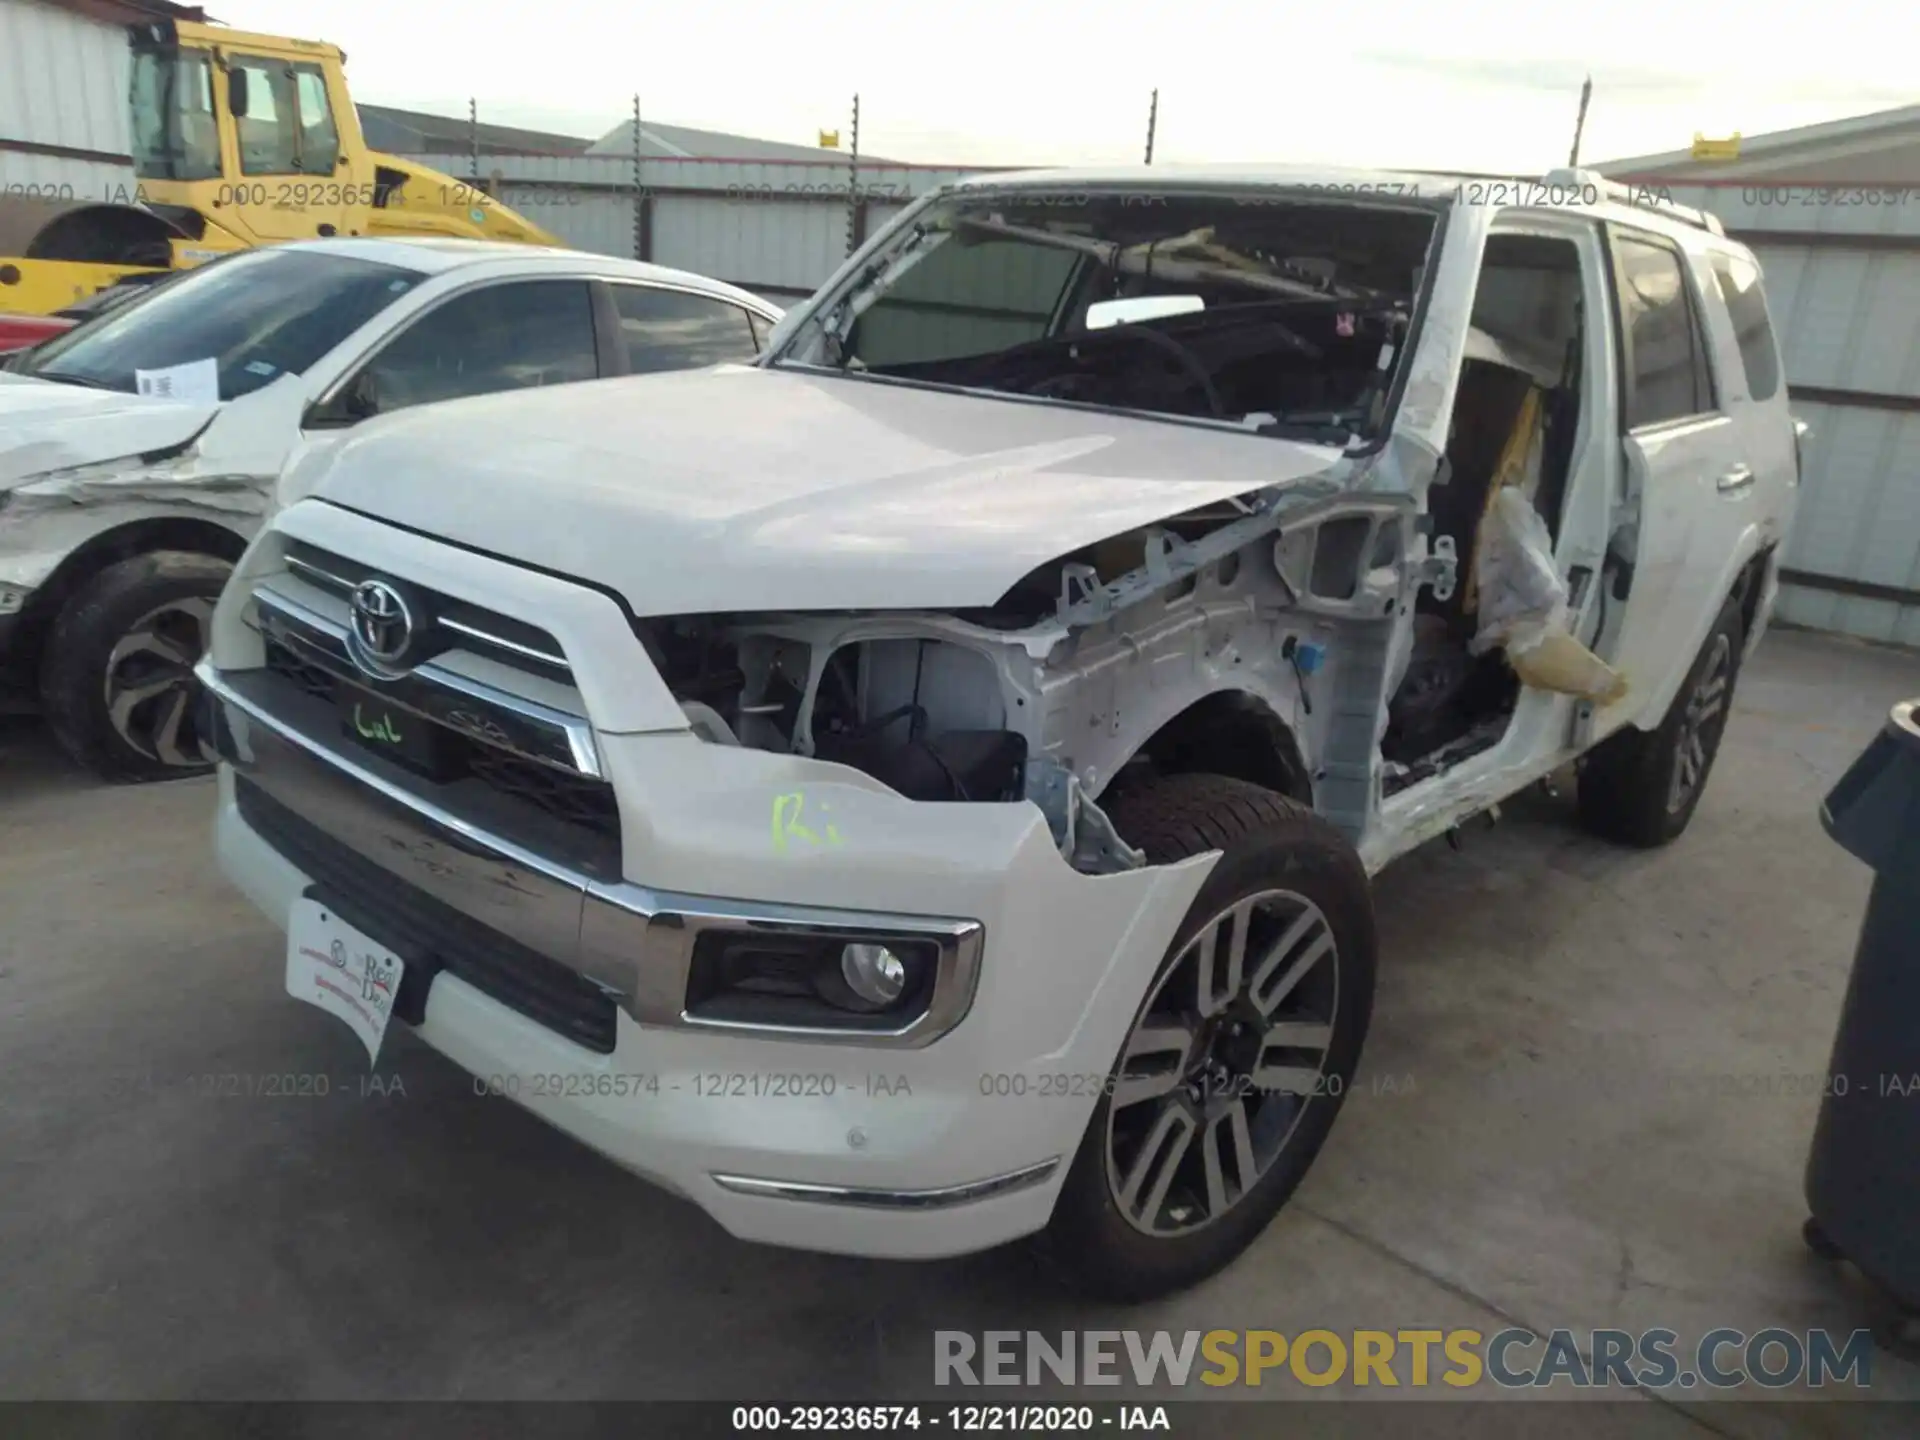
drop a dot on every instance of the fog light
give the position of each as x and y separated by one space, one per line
873 972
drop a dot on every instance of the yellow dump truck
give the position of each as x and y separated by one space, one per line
235 139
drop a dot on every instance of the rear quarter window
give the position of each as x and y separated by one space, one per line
1738 281
1666 372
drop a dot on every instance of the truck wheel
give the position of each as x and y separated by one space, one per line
117 679
1236 1062
1641 787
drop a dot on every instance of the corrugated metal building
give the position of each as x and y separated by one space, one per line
682 142
1833 211
397 131
64 70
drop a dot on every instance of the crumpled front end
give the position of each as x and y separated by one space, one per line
632 927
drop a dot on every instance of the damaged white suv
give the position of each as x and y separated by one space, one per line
920 789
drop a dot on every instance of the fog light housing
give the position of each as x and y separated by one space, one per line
874 973
819 980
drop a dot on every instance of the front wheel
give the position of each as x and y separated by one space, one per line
1235 1065
117 682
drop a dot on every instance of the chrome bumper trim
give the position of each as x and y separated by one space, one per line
633 942
943 1198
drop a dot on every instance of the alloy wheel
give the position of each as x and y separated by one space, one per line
1700 724
150 686
1222 1062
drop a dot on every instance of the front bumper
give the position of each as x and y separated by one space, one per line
907 1146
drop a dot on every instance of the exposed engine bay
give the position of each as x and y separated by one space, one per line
1156 649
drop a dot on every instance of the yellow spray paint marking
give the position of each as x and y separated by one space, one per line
788 810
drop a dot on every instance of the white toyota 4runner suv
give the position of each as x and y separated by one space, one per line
920 789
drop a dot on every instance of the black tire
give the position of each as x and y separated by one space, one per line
98 656
1269 843
1633 785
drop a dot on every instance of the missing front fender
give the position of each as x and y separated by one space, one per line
1085 835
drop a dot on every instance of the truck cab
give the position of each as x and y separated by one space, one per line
237 139
257 136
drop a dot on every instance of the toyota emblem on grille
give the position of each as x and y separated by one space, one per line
381 632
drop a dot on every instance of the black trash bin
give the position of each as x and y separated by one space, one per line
1863 1173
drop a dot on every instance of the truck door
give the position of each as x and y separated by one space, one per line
286 179
1754 393
1674 442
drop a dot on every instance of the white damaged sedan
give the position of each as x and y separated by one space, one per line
139 450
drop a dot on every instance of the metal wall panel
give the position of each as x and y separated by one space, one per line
585 219
785 246
1846 306
63 81
778 227
55 177
1849 319
1859 520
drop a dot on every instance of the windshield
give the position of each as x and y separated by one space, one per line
256 316
1273 310
175 134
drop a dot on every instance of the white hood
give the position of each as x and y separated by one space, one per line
46 426
745 489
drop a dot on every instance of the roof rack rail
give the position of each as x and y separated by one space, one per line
1640 196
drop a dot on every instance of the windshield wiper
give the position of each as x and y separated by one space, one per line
67 377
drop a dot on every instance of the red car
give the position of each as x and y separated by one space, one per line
17 332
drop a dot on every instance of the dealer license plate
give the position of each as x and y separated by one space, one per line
347 974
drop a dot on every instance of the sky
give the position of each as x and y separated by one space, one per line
1017 82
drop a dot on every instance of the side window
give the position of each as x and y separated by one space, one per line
265 123
673 330
1738 279
319 140
761 327
502 337
1666 362
175 135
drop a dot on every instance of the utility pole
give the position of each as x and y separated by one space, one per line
853 182
473 137
1153 121
1580 122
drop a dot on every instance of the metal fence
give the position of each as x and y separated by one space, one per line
777 227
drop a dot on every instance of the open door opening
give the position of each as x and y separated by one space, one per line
1515 416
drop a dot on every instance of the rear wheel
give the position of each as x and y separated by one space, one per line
1236 1063
117 679
1641 787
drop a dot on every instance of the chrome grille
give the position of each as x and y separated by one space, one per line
482 631
528 752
